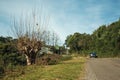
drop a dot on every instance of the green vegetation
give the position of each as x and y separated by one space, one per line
65 70
66 57
48 59
105 41
13 63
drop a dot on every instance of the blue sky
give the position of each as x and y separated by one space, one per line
66 16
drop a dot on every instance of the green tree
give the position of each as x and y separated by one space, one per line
105 40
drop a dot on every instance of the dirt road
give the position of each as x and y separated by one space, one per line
103 69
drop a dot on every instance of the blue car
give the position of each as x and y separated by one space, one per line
93 55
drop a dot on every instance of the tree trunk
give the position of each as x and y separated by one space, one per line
28 60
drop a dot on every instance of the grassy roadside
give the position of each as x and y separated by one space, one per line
66 70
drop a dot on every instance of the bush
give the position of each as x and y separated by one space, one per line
14 59
49 59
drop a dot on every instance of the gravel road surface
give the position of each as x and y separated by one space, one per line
103 69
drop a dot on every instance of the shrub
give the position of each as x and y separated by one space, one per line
49 59
14 59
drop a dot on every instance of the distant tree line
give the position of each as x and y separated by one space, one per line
105 41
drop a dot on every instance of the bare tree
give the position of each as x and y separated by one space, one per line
30 34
